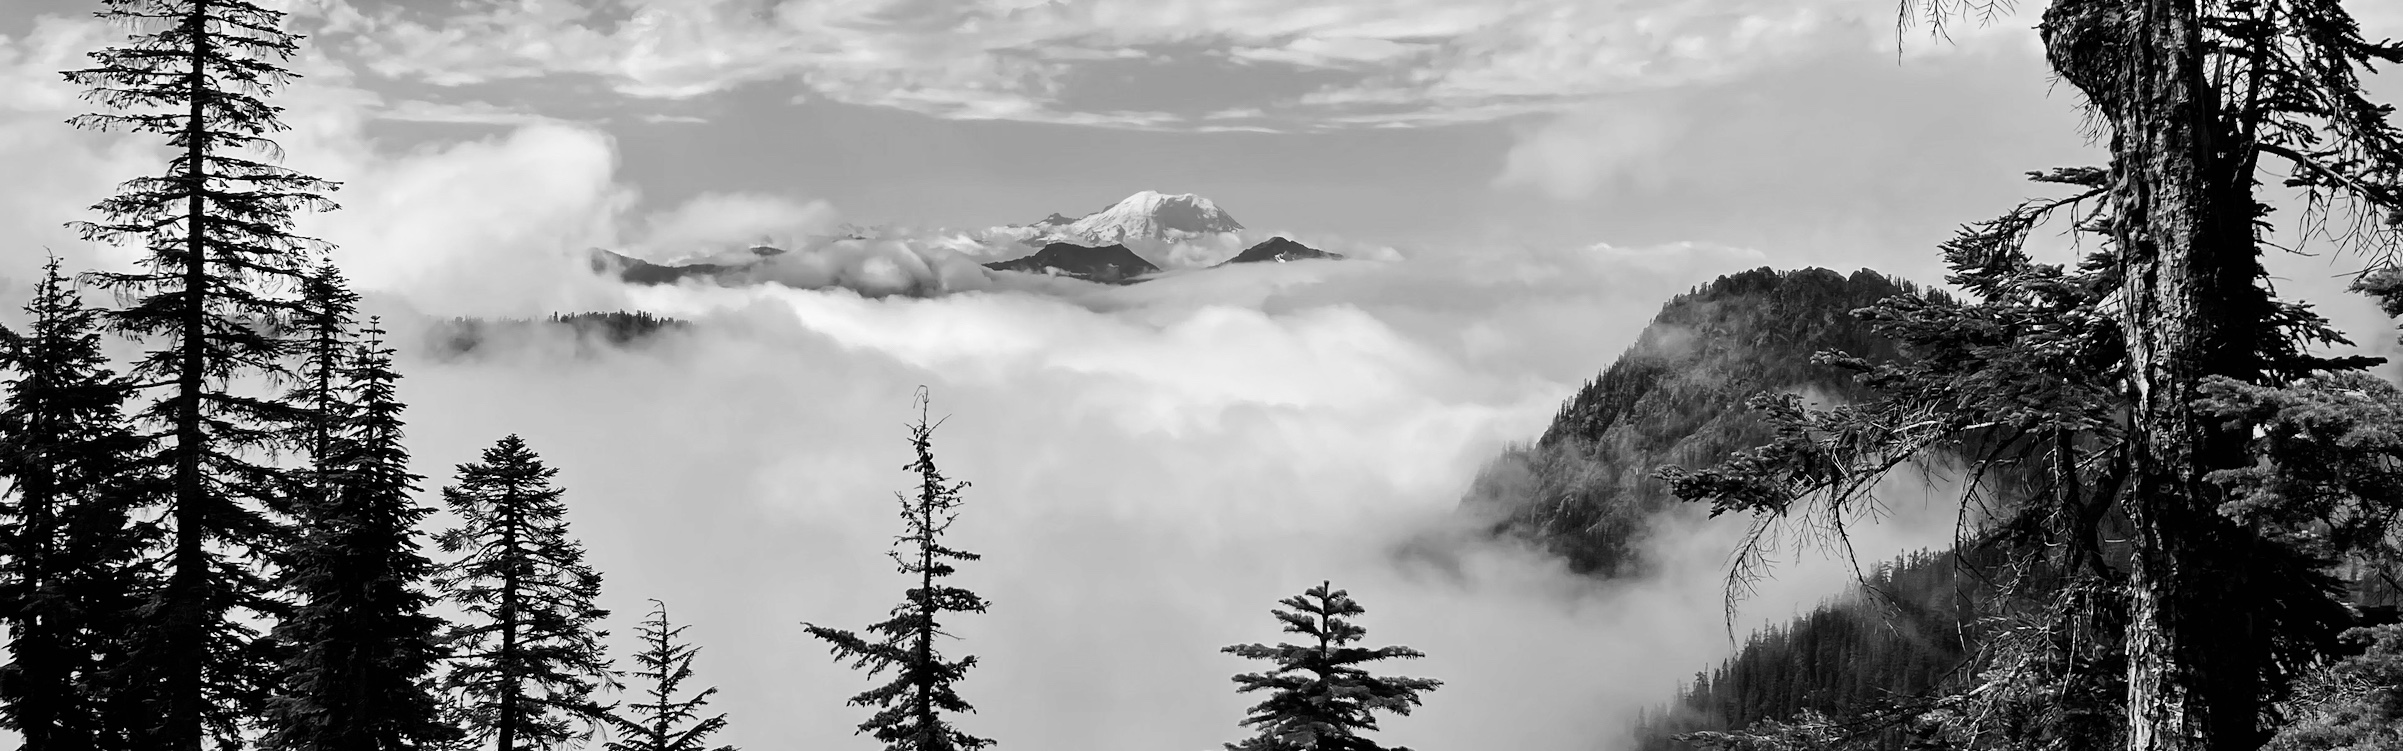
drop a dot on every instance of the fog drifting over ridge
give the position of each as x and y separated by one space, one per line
1149 478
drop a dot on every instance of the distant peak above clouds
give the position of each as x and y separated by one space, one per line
1145 216
1144 236
1151 215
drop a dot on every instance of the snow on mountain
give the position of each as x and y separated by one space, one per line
1150 215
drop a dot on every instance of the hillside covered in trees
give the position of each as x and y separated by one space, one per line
1588 489
1585 489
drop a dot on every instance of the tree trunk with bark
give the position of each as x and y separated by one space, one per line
2182 220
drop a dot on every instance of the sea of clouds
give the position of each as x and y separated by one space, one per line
1154 466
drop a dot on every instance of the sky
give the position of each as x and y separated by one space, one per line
1153 466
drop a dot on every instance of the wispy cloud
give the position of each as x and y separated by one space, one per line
1404 62
468 113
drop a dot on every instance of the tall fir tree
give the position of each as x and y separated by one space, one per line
322 327
911 707
361 648
222 257
1320 698
662 721
69 542
528 659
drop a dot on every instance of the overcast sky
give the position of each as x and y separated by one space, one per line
1154 465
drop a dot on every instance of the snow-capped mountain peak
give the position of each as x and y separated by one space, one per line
1156 216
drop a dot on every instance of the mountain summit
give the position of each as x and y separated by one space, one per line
1151 215
1279 249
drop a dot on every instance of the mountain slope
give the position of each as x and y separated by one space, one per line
1585 489
638 271
1111 264
1151 215
1911 637
1279 250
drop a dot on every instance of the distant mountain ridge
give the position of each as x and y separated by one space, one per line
1092 247
1279 250
1108 264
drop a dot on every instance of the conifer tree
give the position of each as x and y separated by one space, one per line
68 543
911 707
528 658
217 226
361 648
323 326
663 722
1319 696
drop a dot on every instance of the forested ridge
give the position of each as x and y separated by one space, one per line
459 336
1907 629
1585 489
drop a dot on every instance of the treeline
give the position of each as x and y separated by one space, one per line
220 543
1910 626
1906 629
459 336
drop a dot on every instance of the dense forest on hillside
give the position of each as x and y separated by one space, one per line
1906 630
1585 489
1905 635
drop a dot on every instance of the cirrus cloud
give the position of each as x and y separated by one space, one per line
1386 62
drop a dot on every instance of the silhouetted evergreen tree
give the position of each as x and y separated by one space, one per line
359 675
323 326
528 659
911 705
69 547
662 721
1320 698
217 226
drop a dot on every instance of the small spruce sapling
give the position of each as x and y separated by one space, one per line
1319 696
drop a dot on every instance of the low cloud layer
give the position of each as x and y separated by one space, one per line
1149 479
